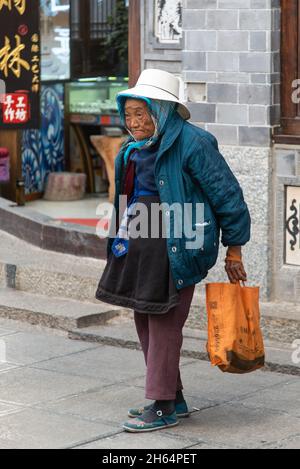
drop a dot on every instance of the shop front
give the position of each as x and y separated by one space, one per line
82 47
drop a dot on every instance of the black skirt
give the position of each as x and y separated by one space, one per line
141 279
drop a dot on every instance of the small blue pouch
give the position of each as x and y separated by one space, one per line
121 242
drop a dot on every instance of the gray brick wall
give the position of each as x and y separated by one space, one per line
233 47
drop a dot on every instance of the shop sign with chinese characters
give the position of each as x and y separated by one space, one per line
20 64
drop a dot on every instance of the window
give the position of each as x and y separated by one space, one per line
99 38
289 131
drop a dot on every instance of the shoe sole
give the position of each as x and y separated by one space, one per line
183 416
138 430
179 416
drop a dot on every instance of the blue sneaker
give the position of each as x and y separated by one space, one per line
162 421
181 410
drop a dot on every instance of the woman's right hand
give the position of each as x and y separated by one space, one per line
235 271
234 265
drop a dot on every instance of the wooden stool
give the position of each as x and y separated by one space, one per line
108 148
65 186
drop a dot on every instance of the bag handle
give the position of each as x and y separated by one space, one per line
239 283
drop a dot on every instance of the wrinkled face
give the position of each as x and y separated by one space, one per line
138 119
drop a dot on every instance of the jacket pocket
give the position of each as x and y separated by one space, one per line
206 257
206 238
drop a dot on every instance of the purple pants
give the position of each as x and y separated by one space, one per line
161 340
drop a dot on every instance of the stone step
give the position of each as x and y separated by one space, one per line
31 269
53 312
56 283
49 233
279 356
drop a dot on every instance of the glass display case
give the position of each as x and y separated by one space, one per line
95 96
92 112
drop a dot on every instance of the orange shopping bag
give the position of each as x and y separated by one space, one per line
235 342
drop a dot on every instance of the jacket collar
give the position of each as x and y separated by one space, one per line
170 135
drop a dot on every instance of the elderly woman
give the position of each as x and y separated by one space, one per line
167 160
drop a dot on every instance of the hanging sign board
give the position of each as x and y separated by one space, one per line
19 64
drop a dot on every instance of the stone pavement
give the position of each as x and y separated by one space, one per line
60 393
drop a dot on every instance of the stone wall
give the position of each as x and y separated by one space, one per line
231 54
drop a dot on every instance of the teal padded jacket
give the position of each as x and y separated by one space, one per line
190 169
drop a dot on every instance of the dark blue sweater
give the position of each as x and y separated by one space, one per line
144 167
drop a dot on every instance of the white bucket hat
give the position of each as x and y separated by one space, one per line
158 84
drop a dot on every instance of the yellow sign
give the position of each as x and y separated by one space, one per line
20 5
20 63
10 59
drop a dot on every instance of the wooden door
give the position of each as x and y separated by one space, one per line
134 41
290 70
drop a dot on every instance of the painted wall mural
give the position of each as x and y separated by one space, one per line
168 21
43 150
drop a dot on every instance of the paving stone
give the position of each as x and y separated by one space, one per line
7 366
4 332
6 409
292 442
31 386
28 348
202 381
210 446
111 404
37 429
154 440
238 426
110 364
284 398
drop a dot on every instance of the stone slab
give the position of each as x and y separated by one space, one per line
104 364
25 348
237 426
37 429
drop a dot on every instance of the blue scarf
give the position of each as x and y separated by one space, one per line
162 113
